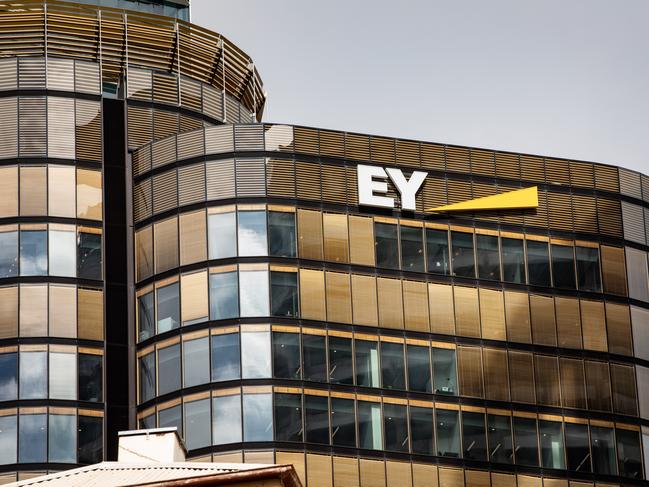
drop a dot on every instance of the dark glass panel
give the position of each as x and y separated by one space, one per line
577 447
387 245
341 370
283 294
90 439
448 433
168 307
412 249
500 439
33 253
395 425
437 251
8 376
316 419
147 377
62 438
170 418
343 422
32 438
196 365
445 371
224 296
392 366
89 256
367 363
513 260
474 436
526 440
197 424
588 275
146 320
288 417
563 266
419 378
538 263
629 453
463 257
168 369
421 426
369 425
90 375
315 358
552 451
488 257
603 450
8 254
281 234
286 355
226 363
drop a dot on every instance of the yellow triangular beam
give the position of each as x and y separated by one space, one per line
514 200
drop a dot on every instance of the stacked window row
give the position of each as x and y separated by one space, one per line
259 290
50 435
55 249
224 232
255 414
30 73
50 190
62 372
54 310
384 362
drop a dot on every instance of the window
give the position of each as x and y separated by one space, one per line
500 439
168 418
288 417
62 438
145 319
336 237
588 276
61 191
463 259
253 288
551 434
197 419
392 366
196 369
226 419
8 251
63 375
147 377
395 425
629 456
225 357
89 255
90 377
387 245
32 445
412 249
33 375
526 440
369 425
33 252
281 234
89 194
474 437
444 371
422 430
314 357
341 370
513 260
252 233
538 263
8 377
193 238
286 355
194 306
255 354
144 253
367 363
419 378
8 439
284 296
563 266
448 433
224 295
488 257
603 450
168 369
168 303
90 439
437 251
165 244
343 422
258 417
577 447
316 419
222 228
62 255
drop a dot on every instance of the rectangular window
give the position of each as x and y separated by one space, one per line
448 433
336 237
395 426
369 425
258 417
143 253
312 295
361 240
89 254
62 250
577 447
63 311
444 371
224 295
538 263
474 437
8 376
288 417
226 419
598 385
314 357
8 251
61 191
62 438
286 355
33 252
338 297
422 430
386 241
613 270
526 440
33 310
90 377
32 447
90 440
341 370
412 249
629 453
63 375
197 421
255 354
147 377
437 252
33 191
488 257
165 234
222 228
281 234
252 233
225 357
343 422
194 303
513 260
89 194
463 259
547 380
602 444
316 419
145 316
284 296
552 454
309 224
90 303
563 266
367 363
9 190
33 375
469 370
419 378
588 275
168 302
168 369
196 369
254 292
392 366
193 237
171 417
572 383
8 439
500 439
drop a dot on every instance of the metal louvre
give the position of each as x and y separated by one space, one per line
189 123
382 149
8 74
139 84
279 138
606 178
212 102
60 74
190 94
630 183
141 160
508 166
458 159
533 169
434 193
220 179
584 213
164 152
31 73
249 138
357 147
634 223
483 162
191 184
191 144
645 187
582 174
165 191
165 88
219 139
407 152
433 156
8 127
308 179
560 211
251 177
334 189
280 174
32 123
231 110
306 141
332 143
142 198
165 124
86 77
609 217
140 126
61 127
557 172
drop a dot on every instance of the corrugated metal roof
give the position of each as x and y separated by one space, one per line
115 474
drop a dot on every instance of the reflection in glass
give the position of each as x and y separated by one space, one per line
33 253
513 260
8 376
448 433
603 450
392 366
168 307
168 369
343 422
463 259
288 417
147 377
488 257
62 438
412 249
252 233
62 253
286 355
90 377
422 430
225 357
367 363
387 245
8 253
315 357
197 419
255 354
226 419
281 234
444 371
8 439
551 445
629 455
91 440
437 251
500 439
588 275
63 375
577 447
395 425
419 379
145 319
526 440
341 370
196 368
169 418
284 297
369 425
224 295
222 235
473 436
89 256
316 419
257 417
32 446
253 287
563 266
33 375
538 263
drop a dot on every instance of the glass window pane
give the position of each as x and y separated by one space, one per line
316 419
603 450
8 440
563 266
90 440
33 190
170 418
526 440
224 295
588 275
225 357
168 369
145 317
284 297
90 377
419 378
552 445
286 355
281 234
8 377
341 370
538 263
488 257
255 354
395 421
367 363
448 433
226 419
474 437
89 194
147 377
369 425
422 431
196 368
165 244
386 241
197 424
253 287
437 251
257 417
33 253
222 228
392 366
288 417
8 252
252 233
168 303
463 258
444 371
315 358
500 439
61 191
577 447
513 260
343 422
629 454
412 249
89 256
33 438
33 375
193 237
63 375
62 438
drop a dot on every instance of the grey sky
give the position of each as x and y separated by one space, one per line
568 78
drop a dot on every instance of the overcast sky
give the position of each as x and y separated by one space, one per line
566 78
